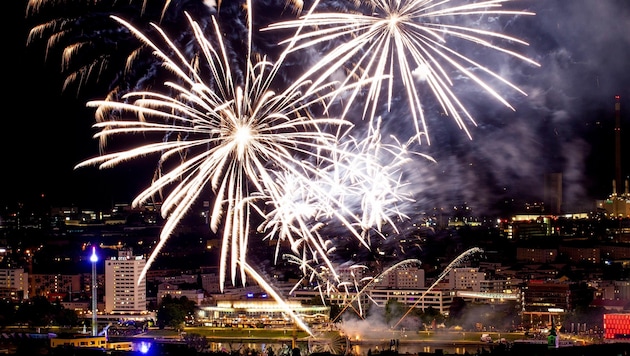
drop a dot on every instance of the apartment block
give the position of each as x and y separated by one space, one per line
13 284
123 292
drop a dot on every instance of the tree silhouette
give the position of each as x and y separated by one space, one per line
172 312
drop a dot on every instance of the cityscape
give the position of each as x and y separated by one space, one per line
533 271
321 178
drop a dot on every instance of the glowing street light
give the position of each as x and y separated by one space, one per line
94 259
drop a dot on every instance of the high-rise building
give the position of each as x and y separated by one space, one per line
123 292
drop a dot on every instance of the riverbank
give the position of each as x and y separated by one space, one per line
255 342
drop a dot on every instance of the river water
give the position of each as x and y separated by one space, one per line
358 349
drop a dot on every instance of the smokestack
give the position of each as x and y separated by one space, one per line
618 181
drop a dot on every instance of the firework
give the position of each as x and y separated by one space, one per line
362 190
405 42
371 281
360 186
444 273
260 280
327 281
231 138
376 174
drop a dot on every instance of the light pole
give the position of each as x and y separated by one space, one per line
94 259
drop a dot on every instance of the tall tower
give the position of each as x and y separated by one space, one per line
123 292
619 203
618 184
552 193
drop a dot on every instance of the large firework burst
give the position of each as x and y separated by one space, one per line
405 42
224 135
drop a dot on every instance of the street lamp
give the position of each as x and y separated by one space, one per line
94 259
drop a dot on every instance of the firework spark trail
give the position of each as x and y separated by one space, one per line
403 41
448 268
259 279
326 279
374 279
92 48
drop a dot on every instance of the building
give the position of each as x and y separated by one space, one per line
499 286
616 206
617 326
307 296
615 252
46 285
612 295
261 312
581 253
175 279
526 227
92 342
210 282
350 273
543 301
536 255
13 284
124 293
403 277
464 278
175 291
438 299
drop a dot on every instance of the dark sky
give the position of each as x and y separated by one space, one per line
565 124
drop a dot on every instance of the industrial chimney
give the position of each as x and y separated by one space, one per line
618 183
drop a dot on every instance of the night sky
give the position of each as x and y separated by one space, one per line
565 124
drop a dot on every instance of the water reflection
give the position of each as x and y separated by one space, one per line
375 349
363 349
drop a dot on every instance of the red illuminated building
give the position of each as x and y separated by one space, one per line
617 326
